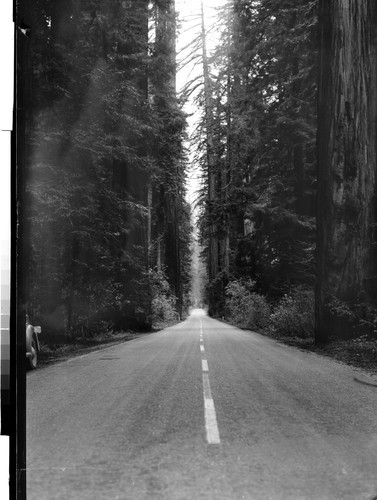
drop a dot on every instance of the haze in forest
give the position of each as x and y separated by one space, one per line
111 147
270 108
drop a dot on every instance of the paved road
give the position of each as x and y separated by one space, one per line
180 414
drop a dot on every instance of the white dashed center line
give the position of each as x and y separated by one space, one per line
212 431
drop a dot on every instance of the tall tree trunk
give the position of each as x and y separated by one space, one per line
226 174
165 86
171 30
298 147
347 113
211 164
158 253
149 224
298 166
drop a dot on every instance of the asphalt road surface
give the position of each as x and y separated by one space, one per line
201 410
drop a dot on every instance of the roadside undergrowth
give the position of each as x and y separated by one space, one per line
290 320
61 349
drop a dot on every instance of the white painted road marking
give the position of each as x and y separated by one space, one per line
206 387
212 430
204 365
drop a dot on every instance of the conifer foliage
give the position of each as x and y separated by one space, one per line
289 200
96 133
263 100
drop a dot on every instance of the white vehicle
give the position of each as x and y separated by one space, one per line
32 344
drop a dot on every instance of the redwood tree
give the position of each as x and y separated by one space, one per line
347 151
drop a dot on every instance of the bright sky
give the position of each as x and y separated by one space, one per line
189 15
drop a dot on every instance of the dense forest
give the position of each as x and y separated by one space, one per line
288 159
107 232
285 143
282 238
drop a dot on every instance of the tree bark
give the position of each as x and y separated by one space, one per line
165 86
226 174
347 113
149 224
213 240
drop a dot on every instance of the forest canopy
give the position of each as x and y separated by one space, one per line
287 150
104 177
286 147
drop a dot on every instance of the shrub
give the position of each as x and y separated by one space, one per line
260 312
236 302
163 300
244 307
163 310
358 317
294 315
